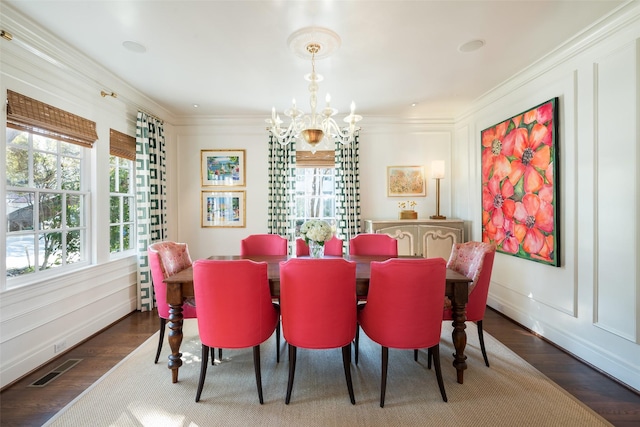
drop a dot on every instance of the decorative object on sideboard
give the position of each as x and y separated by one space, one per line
437 173
407 210
319 43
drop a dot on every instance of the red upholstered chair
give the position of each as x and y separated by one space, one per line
333 247
166 259
234 303
474 260
263 244
403 309
318 308
373 244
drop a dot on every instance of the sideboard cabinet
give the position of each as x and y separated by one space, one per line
429 238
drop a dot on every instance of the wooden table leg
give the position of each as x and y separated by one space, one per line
175 340
459 337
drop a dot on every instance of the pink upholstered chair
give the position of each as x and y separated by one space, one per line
373 244
165 259
318 307
474 260
333 247
263 244
403 310
234 303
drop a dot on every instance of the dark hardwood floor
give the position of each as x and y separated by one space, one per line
28 406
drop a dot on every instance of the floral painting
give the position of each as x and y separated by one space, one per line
519 185
405 181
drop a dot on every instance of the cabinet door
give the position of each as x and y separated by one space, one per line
437 241
406 237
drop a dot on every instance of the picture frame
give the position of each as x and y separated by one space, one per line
223 209
406 181
222 168
520 187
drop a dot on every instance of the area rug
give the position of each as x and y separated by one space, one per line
511 392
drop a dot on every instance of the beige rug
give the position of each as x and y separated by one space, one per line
509 393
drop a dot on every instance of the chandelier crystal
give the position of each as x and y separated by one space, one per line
316 126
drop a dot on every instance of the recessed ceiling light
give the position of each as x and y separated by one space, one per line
195 105
470 46
134 46
413 104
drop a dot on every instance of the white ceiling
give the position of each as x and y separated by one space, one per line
232 57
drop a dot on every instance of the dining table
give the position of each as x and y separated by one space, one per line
180 287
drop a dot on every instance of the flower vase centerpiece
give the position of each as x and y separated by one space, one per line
407 210
315 233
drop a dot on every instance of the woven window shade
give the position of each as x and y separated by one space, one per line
122 145
27 114
321 159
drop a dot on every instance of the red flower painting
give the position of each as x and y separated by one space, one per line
519 189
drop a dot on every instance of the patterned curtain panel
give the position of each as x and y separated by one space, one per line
347 190
151 198
282 180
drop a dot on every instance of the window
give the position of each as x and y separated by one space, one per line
315 188
46 204
121 192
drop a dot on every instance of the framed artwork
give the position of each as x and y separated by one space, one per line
520 185
403 181
222 168
223 209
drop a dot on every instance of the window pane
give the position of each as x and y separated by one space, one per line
50 248
20 211
124 181
73 247
112 179
127 205
17 137
114 216
70 173
45 170
126 237
114 238
20 256
74 210
17 167
45 144
70 149
50 211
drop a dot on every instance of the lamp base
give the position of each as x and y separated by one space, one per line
438 217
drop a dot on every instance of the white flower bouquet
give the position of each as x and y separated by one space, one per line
316 230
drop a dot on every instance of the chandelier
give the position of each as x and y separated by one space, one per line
318 125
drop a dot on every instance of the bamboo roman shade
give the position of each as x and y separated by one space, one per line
122 145
28 114
321 159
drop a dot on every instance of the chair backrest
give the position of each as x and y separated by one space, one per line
333 247
404 302
318 302
263 244
234 303
373 244
474 260
165 259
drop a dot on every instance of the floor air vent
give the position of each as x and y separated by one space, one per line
47 378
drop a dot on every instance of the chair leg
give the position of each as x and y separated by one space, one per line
278 342
435 351
163 322
292 371
481 339
415 354
203 370
357 343
429 357
256 366
346 362
213 356
383 376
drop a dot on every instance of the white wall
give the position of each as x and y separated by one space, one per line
590 305
71 307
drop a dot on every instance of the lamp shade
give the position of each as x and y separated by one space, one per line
437 169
